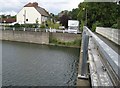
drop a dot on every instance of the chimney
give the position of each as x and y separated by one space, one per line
35 4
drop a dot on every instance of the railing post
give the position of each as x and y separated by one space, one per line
24 29
4 27
13 29
46 30
63 31
35 30
84 66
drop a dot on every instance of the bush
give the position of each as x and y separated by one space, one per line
28 25
17 25
77 42
42 26
59 42
81 25
114 26
56 26
23 25
53 25
95 25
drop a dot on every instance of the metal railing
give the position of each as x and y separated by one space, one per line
84 50
22 29
38 30
110 57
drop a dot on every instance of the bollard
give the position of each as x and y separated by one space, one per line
84 72
24 29
63 31
35 30
4 28
13 29
45 30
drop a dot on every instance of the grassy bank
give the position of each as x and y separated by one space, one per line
75 43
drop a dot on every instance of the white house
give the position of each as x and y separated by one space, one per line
31 13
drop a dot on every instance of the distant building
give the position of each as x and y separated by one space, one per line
7 20
31 13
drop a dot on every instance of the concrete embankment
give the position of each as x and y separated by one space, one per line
38 37
27 36
66 37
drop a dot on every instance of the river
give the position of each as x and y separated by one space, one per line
25 64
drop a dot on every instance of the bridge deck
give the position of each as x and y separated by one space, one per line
111 44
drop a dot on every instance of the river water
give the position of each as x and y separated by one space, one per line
25 64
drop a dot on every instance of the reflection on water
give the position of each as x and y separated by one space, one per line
38 65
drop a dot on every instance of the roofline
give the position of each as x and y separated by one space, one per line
40 13
36 10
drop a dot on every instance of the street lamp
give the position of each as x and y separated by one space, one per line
85 16
118 2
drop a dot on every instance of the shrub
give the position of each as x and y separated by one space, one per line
17 25
42 26
59 42
81 25
28 25
51 24
114 25
95 25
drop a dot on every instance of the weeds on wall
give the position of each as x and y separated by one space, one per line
75 43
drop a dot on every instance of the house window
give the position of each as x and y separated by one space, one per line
26 19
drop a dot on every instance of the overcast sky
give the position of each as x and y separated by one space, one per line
12 7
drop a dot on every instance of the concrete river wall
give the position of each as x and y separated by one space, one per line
65 37
26 36
110 33
36 37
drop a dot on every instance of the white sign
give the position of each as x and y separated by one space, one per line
73 23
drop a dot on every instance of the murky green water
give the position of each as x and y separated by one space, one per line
26 64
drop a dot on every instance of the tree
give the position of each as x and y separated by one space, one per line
73 14
104 14
64 20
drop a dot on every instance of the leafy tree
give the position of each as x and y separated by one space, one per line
73 14
104 14
64 20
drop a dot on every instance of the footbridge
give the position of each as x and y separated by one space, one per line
100 57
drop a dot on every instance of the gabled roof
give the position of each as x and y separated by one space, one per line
42 11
